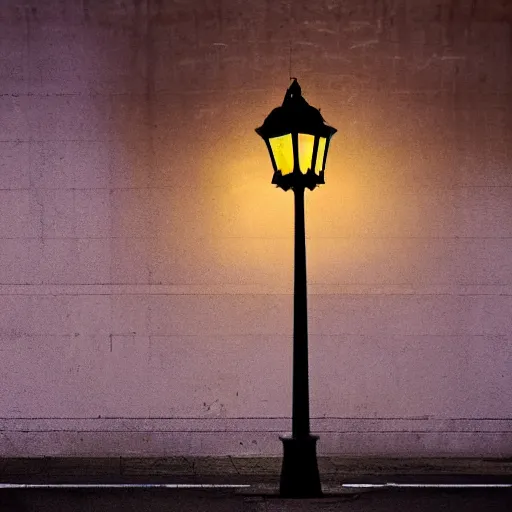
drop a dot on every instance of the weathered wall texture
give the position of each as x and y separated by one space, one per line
146 260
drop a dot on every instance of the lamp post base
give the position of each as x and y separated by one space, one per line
299 474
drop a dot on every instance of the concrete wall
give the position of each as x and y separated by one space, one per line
146 260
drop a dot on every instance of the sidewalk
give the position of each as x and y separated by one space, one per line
246 470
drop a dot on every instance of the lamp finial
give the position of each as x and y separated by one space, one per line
294 92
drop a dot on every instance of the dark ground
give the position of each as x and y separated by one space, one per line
222 501
262 476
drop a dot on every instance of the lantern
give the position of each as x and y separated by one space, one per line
297 139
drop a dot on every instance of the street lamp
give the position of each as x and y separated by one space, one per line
298 141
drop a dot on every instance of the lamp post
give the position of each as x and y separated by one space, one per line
298 141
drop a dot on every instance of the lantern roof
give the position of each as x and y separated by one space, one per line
295 115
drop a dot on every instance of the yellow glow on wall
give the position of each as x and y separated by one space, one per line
229 216
282 148
306 143
253 225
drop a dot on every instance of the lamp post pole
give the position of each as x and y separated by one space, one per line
299 475
300 408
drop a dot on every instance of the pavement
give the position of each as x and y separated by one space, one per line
202 501
254 471
184 478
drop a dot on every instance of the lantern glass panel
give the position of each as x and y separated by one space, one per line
306 144
320 155
282 149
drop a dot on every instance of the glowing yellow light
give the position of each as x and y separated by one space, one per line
306 143
320 154
282 149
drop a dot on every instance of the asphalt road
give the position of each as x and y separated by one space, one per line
162 500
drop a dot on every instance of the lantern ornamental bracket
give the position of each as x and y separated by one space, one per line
297 139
